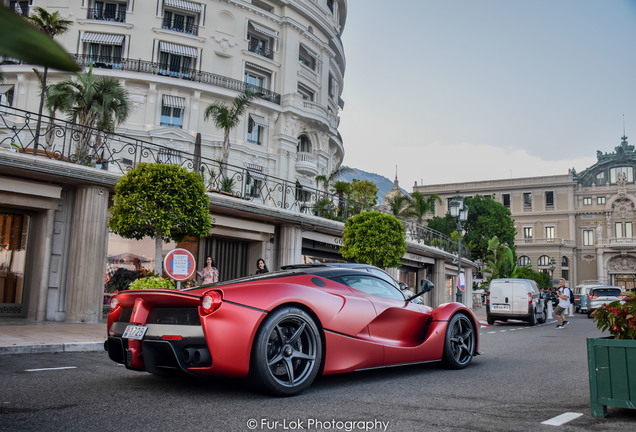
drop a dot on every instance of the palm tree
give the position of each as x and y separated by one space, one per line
397 203
327 180
228 117
52 24
341 188
93 102
421 205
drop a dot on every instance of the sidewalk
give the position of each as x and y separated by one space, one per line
23 336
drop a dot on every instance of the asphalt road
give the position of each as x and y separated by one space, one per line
526 376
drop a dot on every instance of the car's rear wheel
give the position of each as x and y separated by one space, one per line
459 344
544 316
287 352
533 317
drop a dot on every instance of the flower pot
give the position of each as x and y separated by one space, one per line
612 370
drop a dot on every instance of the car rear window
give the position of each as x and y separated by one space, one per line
607 292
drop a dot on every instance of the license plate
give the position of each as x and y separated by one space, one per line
134 332
501 307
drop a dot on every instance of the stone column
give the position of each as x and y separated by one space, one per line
290 245
44 257
87 255
438 295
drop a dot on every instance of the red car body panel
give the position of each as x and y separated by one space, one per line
359 331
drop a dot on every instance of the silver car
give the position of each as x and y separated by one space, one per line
600 295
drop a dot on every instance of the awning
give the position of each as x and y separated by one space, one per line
256 175
182 4
178 49
259 120
102 38
258 67
5 88
173 101
259 28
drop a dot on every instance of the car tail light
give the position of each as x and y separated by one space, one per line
211 301
592 297
487 297
114 303
622 297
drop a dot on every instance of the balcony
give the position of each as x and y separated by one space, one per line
623 243
178 25
306 163
256 47
106 15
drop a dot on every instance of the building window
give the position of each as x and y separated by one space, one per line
176 60
600 179
180 21
588 237
527 233
618 230
523 261
565 274
103 50
587 201
307 58
626 172
255 129
21 7
549 233
600 200
629 233
302 194
306 93
544 261
549 199
254 181
304 144
256 78
6 96
527 200
108 11
565 262
623 230
332 86
260 40
172 111
505 199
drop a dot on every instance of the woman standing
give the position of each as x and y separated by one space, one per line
261 267
209 273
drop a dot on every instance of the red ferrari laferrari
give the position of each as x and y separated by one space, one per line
282 329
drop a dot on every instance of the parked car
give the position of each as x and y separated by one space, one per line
550 297
283 329
581 293
515 299
600 295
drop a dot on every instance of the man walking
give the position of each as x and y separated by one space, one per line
563 294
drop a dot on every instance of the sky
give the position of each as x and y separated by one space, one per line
445 91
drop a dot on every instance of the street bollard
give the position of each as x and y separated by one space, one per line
571 310
550 310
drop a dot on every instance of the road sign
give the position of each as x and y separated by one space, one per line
179 264
461 282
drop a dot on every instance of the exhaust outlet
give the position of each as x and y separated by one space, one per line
189 355
202 356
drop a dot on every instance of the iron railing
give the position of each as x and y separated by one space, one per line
255 47
106 14
181 26
73 143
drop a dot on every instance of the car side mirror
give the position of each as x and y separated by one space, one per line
425 287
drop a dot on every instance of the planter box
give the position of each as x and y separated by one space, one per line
612 368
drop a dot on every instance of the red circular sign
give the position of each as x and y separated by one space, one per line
179 264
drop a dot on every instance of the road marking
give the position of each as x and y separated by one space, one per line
48 369
562 419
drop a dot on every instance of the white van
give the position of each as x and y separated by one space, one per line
515 299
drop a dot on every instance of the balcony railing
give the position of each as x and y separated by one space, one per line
106 14
254 46
180 26
142 66
72 143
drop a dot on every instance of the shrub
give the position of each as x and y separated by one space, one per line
618 317
152 282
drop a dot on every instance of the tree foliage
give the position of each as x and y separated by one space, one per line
420 205
164 202
487 219
542 279
446 225
500 260
364 195
374 238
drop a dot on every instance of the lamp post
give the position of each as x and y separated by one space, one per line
459 212
552 266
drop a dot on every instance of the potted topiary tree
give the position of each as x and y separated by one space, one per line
612 360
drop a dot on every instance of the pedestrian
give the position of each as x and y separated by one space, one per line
261 267
209 273
563 294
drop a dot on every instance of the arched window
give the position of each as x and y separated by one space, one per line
523 261
565 262
544 261
304 144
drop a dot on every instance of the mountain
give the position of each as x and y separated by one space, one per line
384 184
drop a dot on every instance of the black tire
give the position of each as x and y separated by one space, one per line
459 344
287 352
544 317
533 318
490 321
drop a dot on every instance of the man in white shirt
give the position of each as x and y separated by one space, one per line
563 294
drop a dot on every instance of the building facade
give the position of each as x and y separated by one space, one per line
584 221
175 58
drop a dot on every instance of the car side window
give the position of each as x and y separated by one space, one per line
373 286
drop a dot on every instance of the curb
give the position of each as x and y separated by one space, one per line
53 348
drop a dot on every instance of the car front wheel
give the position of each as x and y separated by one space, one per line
287 352
459 345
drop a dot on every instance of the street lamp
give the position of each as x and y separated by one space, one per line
552 266
459 212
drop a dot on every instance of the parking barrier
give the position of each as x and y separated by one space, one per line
550 310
